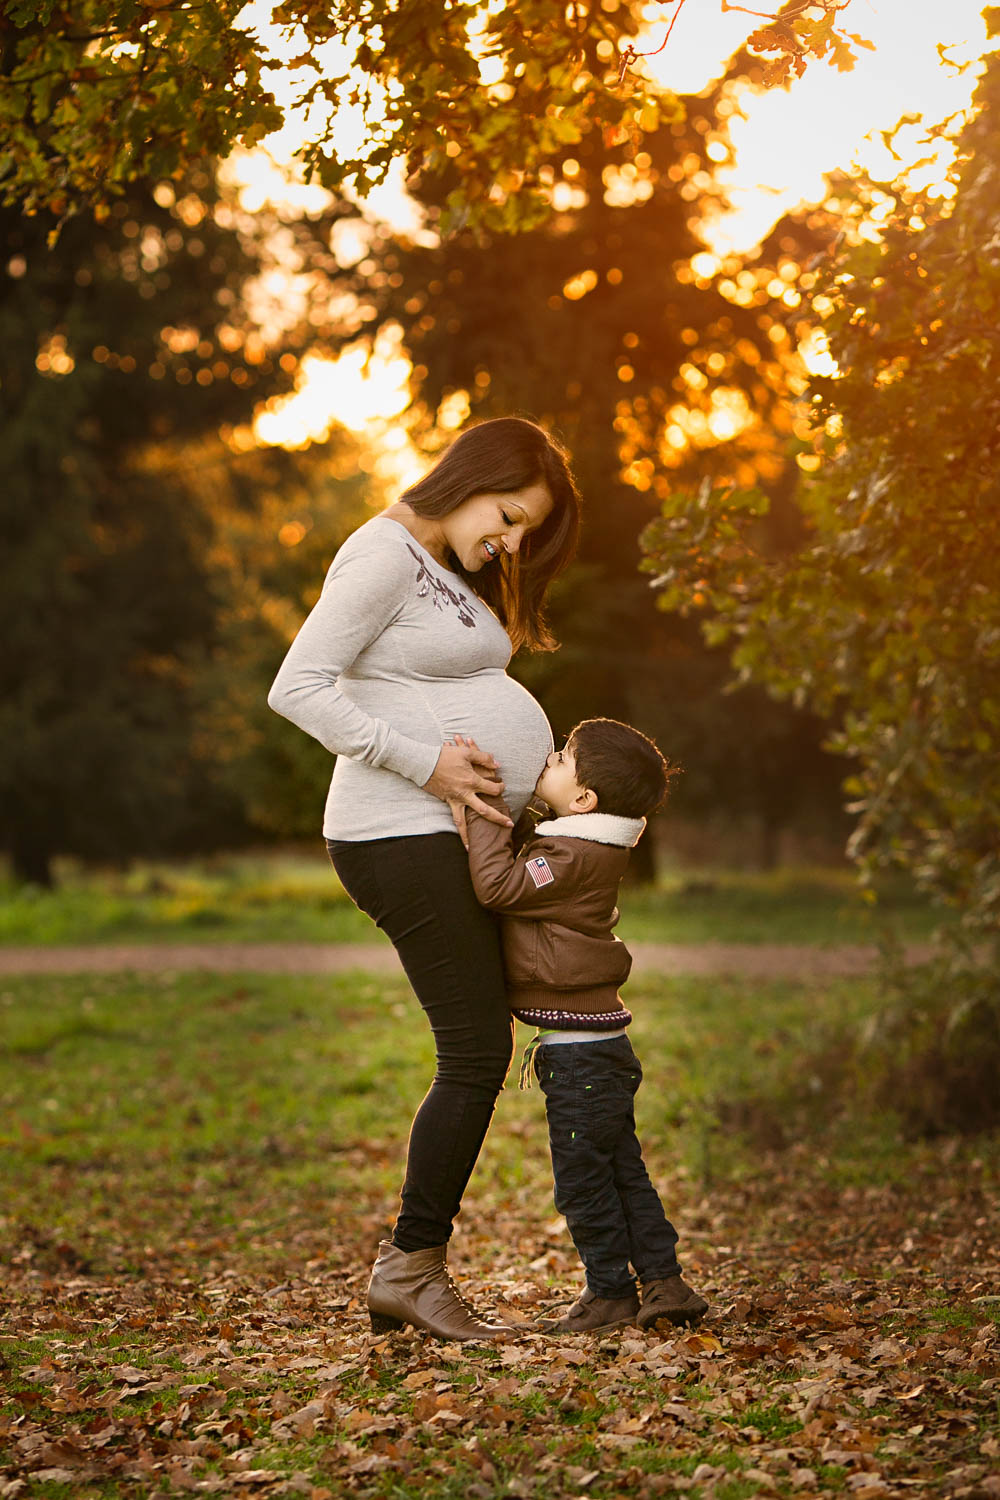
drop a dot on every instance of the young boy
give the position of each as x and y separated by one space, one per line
558 896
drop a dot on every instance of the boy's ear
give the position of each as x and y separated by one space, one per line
585 801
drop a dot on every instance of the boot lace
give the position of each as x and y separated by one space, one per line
449 1295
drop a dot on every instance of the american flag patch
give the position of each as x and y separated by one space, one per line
539 871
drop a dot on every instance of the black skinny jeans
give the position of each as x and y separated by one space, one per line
418 890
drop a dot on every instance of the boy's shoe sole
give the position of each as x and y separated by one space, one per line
673 1319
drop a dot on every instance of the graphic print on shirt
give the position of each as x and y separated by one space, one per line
430 584
539 871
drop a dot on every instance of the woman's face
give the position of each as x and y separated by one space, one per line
484 526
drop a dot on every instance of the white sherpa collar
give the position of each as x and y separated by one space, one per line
600 828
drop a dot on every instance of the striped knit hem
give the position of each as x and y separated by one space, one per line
567 1020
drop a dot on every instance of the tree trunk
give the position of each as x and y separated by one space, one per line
32 864
769 845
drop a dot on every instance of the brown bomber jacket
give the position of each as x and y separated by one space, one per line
558 898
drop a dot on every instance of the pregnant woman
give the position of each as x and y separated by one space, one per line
404 654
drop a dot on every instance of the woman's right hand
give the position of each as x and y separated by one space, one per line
458 780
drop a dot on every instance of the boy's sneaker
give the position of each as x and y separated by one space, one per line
592 1314
671 1299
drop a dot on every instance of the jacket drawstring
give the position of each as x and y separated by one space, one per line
527 1057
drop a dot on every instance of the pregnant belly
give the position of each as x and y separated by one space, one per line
503 718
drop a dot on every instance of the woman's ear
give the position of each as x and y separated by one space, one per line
585 801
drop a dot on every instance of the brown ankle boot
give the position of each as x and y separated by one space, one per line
670 1300
414 1287
591 1314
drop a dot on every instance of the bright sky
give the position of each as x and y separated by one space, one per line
825 120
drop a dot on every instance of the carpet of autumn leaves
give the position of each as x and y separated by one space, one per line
156 1349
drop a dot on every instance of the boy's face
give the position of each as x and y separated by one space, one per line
559 787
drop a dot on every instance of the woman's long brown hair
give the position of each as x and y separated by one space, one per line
498 457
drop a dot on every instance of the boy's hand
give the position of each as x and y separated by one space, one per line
458 817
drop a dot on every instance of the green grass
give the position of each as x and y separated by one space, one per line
788 905
229 1099
197 1169
230 899
226 899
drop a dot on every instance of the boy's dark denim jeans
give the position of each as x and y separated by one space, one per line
602 1187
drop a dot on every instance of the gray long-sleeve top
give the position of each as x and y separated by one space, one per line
398 656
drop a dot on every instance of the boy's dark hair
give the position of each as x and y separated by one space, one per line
621 766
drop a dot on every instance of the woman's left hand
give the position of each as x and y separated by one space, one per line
460 809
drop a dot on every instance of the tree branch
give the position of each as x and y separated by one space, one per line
630 55
787 15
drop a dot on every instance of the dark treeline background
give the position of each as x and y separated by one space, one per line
155 561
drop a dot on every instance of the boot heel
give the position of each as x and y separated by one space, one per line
383 1323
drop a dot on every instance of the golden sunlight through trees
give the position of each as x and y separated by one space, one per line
783 141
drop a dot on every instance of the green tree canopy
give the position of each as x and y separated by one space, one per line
102 93
129 337
888 612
